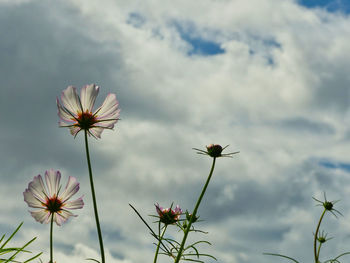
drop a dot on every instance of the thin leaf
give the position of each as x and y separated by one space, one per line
92 260
201 255
19 250
14 233
336 258
153 234
283 256
3 236
28 260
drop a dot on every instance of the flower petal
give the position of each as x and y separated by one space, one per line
62 216
71 188
42 216
88 96
74 130
159 209
70 100
64 114
109 108
52 179
178 210
37 188
31 200
109 124
76 204
96 131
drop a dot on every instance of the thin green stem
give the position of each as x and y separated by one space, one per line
179 254
160 239
51 239
316 254
318 250
94 198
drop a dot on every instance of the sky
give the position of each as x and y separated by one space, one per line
268 77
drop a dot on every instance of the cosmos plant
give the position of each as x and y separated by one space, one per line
320 237
76 113
50 203
169 216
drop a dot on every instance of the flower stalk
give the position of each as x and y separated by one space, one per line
94 197
194 213
317 251
51 239
160 240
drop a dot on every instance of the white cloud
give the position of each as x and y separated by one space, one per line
279 94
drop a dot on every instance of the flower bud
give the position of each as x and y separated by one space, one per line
328 205
214 150
188 217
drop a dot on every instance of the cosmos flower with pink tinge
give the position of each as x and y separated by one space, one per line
51 199
167 215
77 114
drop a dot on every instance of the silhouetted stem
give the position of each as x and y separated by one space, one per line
51 243
317 253
194 213
160 240
94 199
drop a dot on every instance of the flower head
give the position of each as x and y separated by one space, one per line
77 114
49 200
168 216
328 205
215 151
322 237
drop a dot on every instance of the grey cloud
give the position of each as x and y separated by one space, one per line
304 125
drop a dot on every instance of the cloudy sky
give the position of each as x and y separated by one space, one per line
268 77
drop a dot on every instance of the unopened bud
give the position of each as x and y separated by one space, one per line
214 150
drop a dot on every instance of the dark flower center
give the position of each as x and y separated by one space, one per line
328 205
214 150
86 120
53 204
168 217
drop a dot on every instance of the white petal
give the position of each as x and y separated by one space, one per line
74 130
106 124
109 108
37 188
42 216
88 96
76 204
62 216
70 100
71 188
63 114
31 200
52 179
96 131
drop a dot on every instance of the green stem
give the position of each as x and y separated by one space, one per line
160 240
51 243
318 250
179 254
316 254
94 198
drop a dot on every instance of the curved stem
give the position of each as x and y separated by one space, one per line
316 254
160 240
179 254
94 199
51 243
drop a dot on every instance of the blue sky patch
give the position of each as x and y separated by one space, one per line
335 165
200 46
330 5
136 19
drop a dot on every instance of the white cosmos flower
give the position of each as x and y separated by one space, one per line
77 112
50 199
